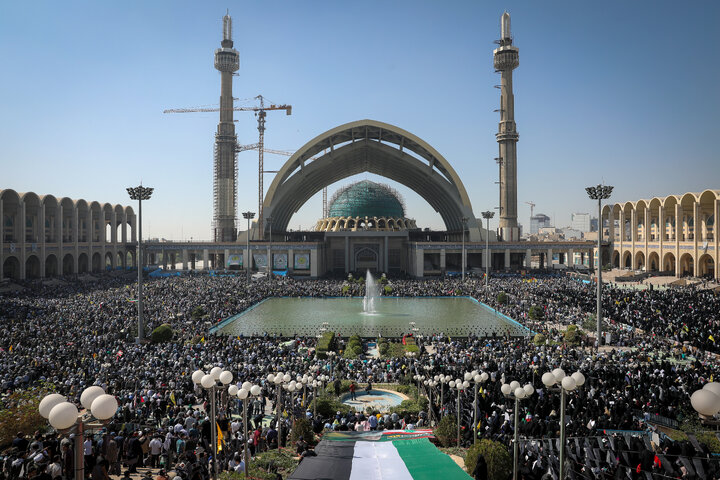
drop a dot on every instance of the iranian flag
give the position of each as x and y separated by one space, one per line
379 455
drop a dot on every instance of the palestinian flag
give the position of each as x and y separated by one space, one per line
378 455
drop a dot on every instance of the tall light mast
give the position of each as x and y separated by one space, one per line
506 59
227 62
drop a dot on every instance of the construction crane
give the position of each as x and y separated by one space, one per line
286 153
532 209
260 113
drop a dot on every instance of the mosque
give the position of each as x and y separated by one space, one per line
366 226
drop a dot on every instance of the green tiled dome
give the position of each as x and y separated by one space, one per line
366 199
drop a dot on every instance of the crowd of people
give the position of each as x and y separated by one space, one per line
77 334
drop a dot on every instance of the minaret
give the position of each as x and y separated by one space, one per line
506 59
225 173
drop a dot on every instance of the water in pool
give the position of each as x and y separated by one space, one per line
392 316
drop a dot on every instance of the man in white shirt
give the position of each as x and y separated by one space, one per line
155 448
55 468
88 452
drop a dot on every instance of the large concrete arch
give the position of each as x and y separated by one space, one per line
375 147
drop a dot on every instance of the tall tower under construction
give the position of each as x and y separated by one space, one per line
506 59
225 172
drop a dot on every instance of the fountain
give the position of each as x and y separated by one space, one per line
371 293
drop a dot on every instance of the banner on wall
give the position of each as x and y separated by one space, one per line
280 261
235 260
302 261
260 260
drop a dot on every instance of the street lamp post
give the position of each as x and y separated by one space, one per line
477 378
331 355
443 379
279 379
432 384
140 193
248 261
599 193
459 385
208 382
292 387
462 260
566 383
63 416
515 391
487 216
247 390
270 254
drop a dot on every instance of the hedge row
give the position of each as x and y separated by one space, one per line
325 344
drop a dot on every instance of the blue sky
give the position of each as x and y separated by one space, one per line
621 92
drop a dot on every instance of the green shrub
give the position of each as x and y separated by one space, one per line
407 378
327 406
536 312
350 354
502 298
409 390
412 348
589 323
162 334
710 440
446 431
344 387
573 336
406 406
345 289
197 313
395 350
539 339
279 461
19 412
325 344
253 472
497 457
383 348
266 466
388 289
301 428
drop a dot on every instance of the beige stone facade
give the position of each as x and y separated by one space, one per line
46 236
677 234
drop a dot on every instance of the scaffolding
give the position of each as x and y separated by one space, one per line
225 189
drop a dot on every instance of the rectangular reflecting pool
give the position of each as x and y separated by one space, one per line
393 317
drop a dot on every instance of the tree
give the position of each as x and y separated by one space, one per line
301 428
198 312
502 298
496 456
20 412
446 431
162 334
536 313
573 336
